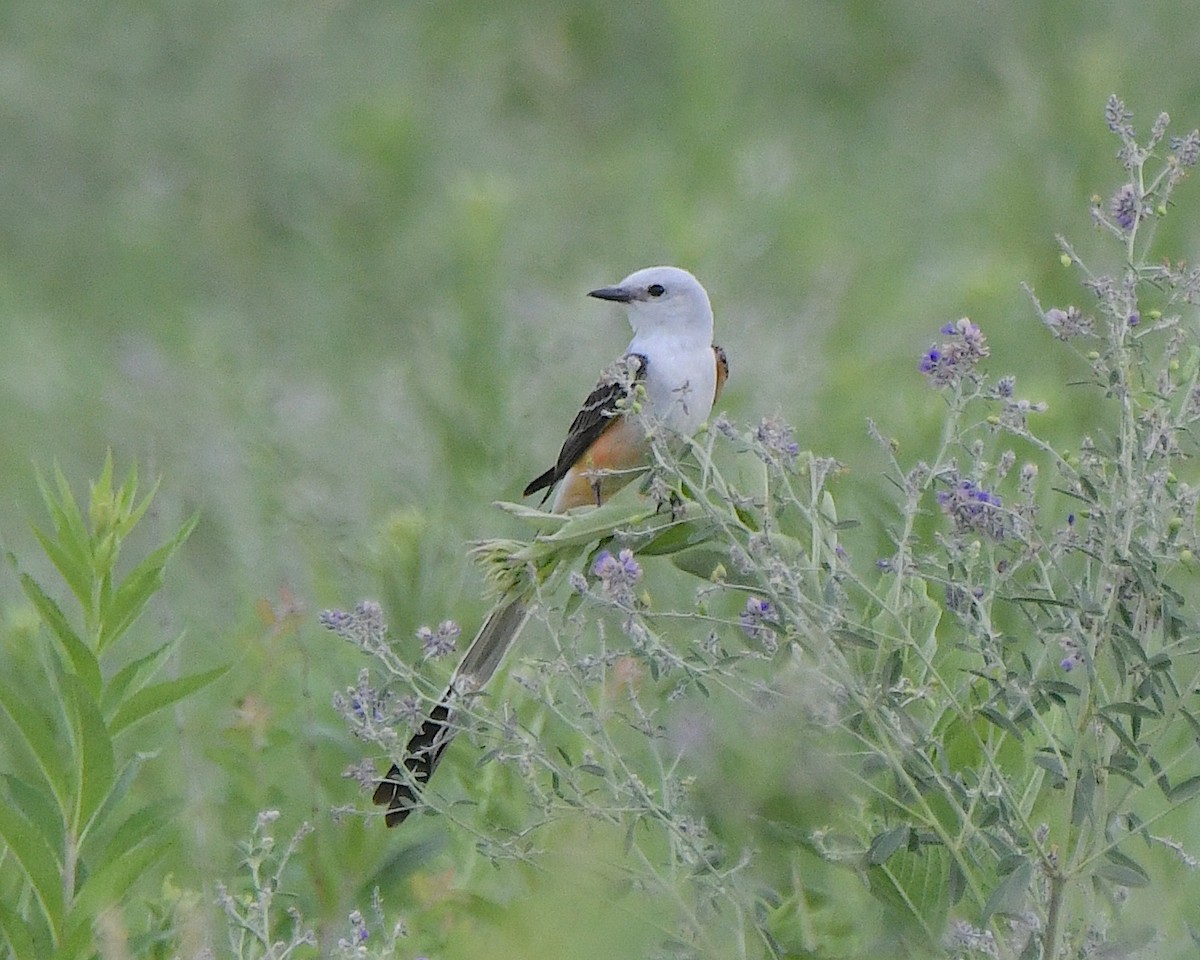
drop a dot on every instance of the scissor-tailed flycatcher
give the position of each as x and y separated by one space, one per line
673 357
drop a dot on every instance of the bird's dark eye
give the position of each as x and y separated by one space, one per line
656 289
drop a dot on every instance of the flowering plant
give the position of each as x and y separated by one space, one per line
989 728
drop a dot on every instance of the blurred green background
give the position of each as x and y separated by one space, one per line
322 266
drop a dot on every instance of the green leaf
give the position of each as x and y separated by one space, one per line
1131 710
22 942
38 862
133 675
1050 763
1009 896
38 738
887 843
1084 796
76 570
94 753
1000 720
131 597
39 807
854 638
153 698
1114 725
137 829
120 788
915 883
1120 859
112 882
678 536
1122 875
1185 790
81 656
701 561
74 545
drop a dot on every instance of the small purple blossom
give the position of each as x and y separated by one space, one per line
364 627
974 509
1135 318
1074 656
362 705
617 575
755 619
358 934
1068 323
1187 149
1125 207
441 642
947 363
777 442
1117 116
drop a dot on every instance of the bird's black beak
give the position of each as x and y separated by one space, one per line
616 294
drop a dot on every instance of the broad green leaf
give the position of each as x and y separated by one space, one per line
1122 875
915 883
1123 860
679 536
81 656
1000 720
150 699
38 737
1009 896
1050 763
539 518
702 561
37 861
1185 790
887 843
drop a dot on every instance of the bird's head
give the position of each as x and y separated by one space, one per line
663 300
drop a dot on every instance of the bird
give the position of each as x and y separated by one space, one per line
680 372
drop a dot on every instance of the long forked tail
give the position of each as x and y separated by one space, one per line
400 791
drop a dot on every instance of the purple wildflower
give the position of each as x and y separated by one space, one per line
441 642
1187 148
617 575
974 509
1125 207
363 627
777 442
754 621
1065 324
362 705
956 357
1117 116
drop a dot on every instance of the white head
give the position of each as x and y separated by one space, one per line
663 300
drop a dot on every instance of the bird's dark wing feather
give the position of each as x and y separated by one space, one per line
594 417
